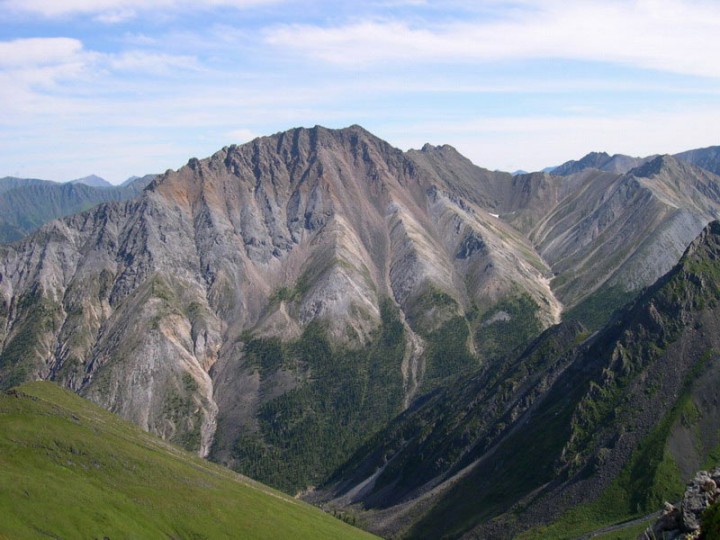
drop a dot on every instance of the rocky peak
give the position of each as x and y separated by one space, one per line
594 160
655 166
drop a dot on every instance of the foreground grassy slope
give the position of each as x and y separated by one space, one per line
69 469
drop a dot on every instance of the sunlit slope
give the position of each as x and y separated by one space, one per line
69 469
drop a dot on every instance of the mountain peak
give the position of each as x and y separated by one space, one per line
91 180
655 166
594 160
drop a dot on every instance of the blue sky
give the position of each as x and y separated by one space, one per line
129 87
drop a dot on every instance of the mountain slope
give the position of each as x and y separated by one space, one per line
605 235
10 182
604 427
71 470
233 304
705 158
613 234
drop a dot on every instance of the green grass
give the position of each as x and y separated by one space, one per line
711 522
69 469
630 533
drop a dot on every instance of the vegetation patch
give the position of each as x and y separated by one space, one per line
447 353
348 395
36 317
509 326
597 309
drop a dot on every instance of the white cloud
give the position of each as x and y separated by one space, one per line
38 51
116 16
113 11
147 62
668 35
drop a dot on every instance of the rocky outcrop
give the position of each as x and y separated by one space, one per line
685 522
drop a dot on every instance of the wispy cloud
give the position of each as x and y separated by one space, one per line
667 35
511 83
39 51
114 11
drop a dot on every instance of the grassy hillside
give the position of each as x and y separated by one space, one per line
69 469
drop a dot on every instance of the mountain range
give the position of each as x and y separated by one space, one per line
26 204
437 348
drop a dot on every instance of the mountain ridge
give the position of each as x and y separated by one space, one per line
277 304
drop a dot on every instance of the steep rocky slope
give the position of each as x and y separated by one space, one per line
603 427
607 235
233 304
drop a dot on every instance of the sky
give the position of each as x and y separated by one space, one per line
120 88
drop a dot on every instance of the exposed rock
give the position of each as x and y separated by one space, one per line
684 523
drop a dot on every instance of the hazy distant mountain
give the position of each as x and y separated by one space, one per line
617 163
10 182
92 180
707 158
139 182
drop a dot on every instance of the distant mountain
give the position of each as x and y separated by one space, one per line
706 158
580 431
139 182
617 163
93 181
518 172
73 470
10 182
26 204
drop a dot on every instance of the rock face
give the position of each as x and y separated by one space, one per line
706 158
685 522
